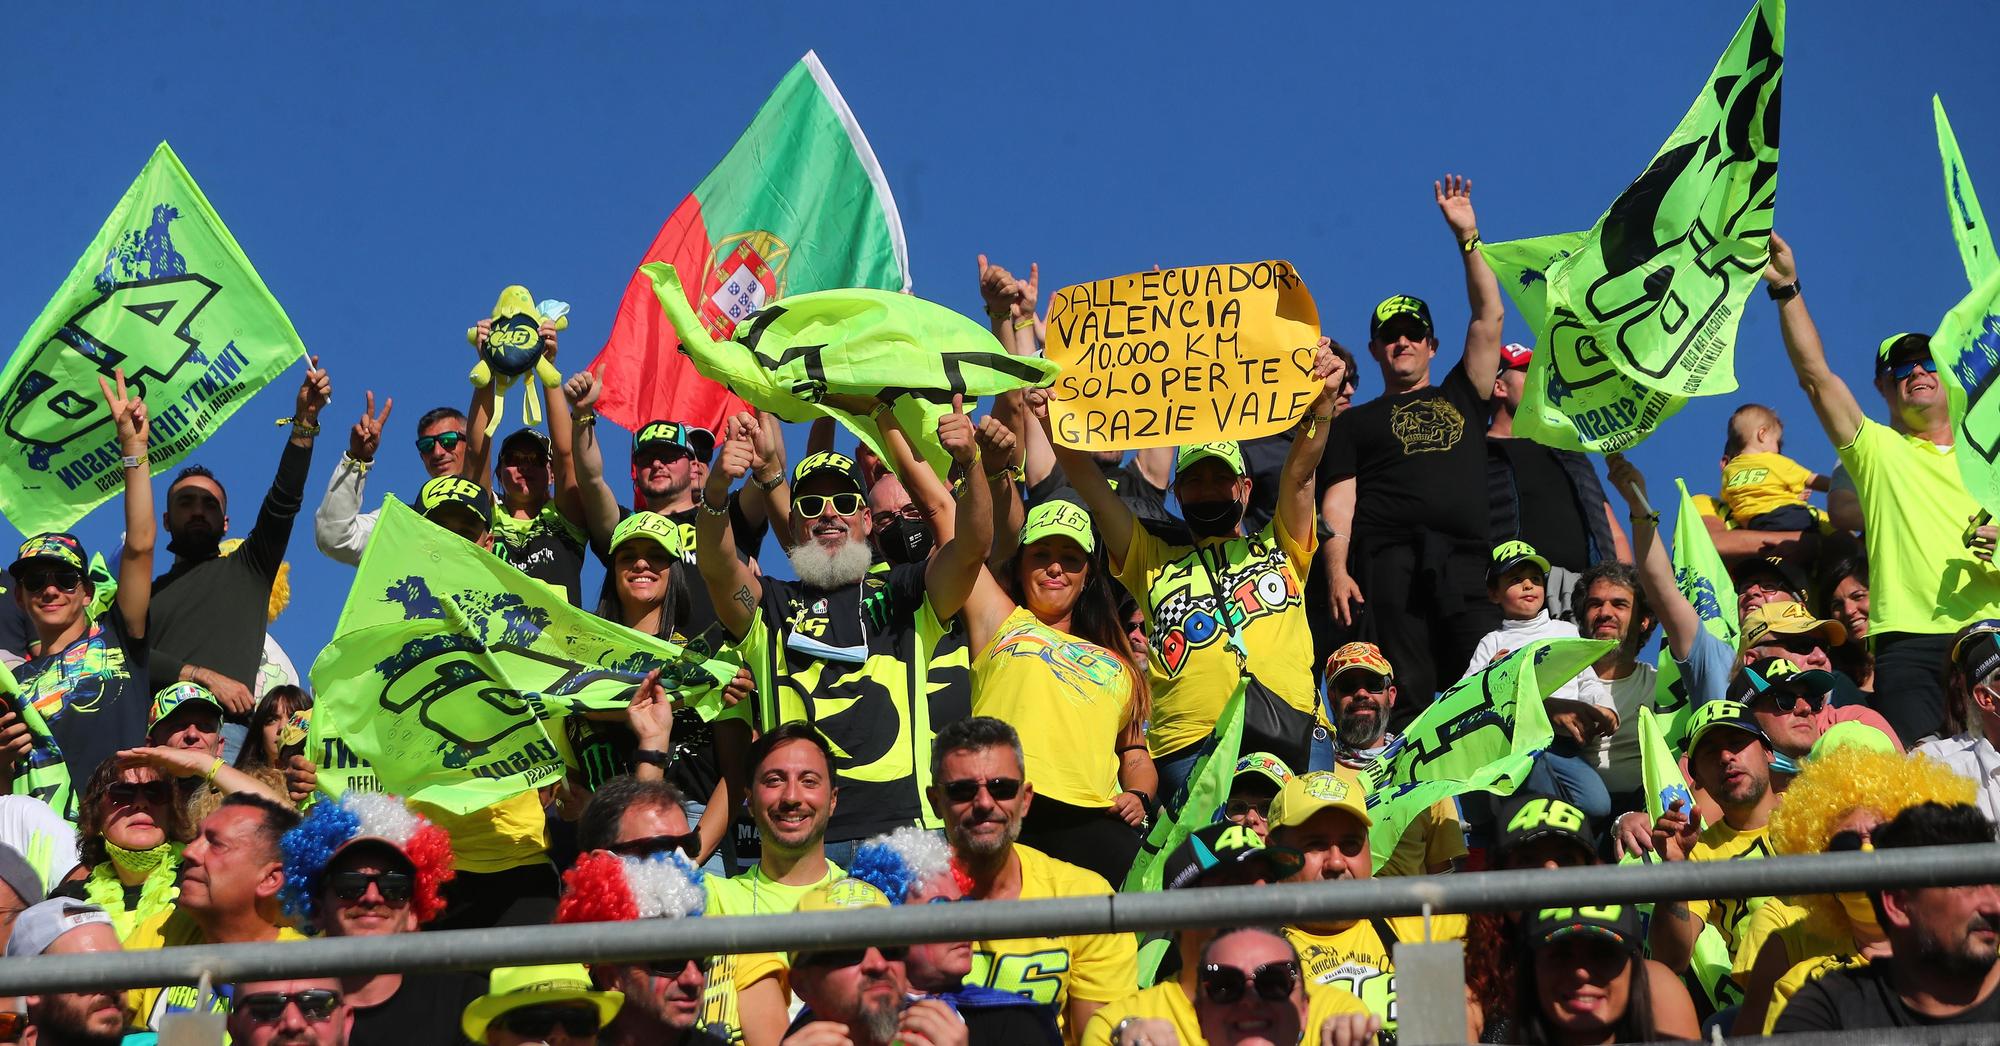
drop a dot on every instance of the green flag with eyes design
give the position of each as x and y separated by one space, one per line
1642 312
450 671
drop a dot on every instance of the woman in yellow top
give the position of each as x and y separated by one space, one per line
1053 661
1838 798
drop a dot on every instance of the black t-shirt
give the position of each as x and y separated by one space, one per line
546 546
1419 461
425 1009
94 697
1147 502
1531 491
1863 997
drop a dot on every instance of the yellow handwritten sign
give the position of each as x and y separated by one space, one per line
1190 355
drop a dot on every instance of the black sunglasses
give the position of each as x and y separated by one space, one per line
315 1004
813 506
1786 700
352 886
1351 681
671 968
537 1022
849 957
447 440
688 843
1238 809
1274 982
64 580
1848 841
125 793
966 789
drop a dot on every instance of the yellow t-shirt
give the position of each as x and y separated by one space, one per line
1190 665
1719 842
1360 958
1800 975
172 928
1092 967
1067 699
1753 484
1168 1002
1921 578
508 834
1435 836
753 893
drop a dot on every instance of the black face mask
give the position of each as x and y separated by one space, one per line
196 546
1212 519
904 541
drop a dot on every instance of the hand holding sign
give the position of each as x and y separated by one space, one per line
1189 355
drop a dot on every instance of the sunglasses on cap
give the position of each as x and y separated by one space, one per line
672 968
315 1004
688 843
813 506
966 789
539 1022
1355 679
447 440
64 579
1273 982
395 887
849 957
1903 370
126 793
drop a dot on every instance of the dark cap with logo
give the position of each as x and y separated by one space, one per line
1532 817
524 436
453 492
829 463
1396 306
60 549
1616 923
1224 845
1897 349
673 435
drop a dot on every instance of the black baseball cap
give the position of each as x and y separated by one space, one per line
1530 817
1896 349
446 492
1617 923
1744 570
688 439
832 463
1975 651
1225 845
522 435
1397 305
1778 675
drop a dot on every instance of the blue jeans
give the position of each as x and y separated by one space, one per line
1174 769
1572 780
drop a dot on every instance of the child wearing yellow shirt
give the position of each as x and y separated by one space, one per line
1764 489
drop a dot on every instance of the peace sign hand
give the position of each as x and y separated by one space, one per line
367 433
129 412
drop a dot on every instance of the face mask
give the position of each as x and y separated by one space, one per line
1211 519
1784 764
141 860
1861 913
904 541
195 546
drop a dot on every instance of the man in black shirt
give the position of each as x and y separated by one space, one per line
1942 942
1406 478
208 611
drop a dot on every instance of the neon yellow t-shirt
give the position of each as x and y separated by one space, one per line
1753 484
1719 842
1360 959
1922 579
1168 1002
1066 697
1190 665
754 893
172 928
1049 970
508 834
1800 975
1434 836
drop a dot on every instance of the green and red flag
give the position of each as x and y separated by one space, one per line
798 204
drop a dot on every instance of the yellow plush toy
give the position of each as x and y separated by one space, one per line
514 347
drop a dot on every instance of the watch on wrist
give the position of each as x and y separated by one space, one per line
653 757
1784 291
768 485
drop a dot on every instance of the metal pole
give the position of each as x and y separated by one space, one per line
1114 913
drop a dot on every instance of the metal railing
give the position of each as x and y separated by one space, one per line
1115 913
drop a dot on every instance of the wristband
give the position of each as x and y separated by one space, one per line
710 509
1470 245
768 485
132 461
876 412
213 768
1784 292
587 419
357 464
299 428
1645 517
652 757
1019 324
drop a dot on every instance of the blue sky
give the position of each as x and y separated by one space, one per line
388 167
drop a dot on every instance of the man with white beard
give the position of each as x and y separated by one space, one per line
843 648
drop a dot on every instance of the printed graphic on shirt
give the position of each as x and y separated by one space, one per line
1036 975
1357 971
1085 669
75 681
1425 425
1186 614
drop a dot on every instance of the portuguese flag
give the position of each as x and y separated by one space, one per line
798 204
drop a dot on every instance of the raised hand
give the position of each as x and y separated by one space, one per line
484 330
1038 402
367 433
739 451
548 332
581 390
314 392
1782 268
996 288
129 412
768 442
1027 293
650 714
996 444
1629 481
1330 369
1454 200
956 433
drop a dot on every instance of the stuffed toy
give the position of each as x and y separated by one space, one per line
514 347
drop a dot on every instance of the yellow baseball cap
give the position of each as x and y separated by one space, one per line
649 525
1510 554
1790 619
840 895
518 987
1307 794
1059 518
1226 451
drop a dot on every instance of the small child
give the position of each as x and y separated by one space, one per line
1764 489
1581 710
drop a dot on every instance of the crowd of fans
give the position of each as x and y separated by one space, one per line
989 686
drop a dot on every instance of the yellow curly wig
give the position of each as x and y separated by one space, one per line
281 586
1850 778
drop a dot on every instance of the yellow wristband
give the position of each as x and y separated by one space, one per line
213 768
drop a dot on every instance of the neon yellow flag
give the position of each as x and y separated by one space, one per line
1704 580
1967 349
1660 769
450 671
1968 222
1644 312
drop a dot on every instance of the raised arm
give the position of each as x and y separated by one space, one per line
732 587
476 465
769 499
1839 412
1295 495
1677 616
1113 517
269 536
135 564
594 497
959 560
337 526
562 427
1482 289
